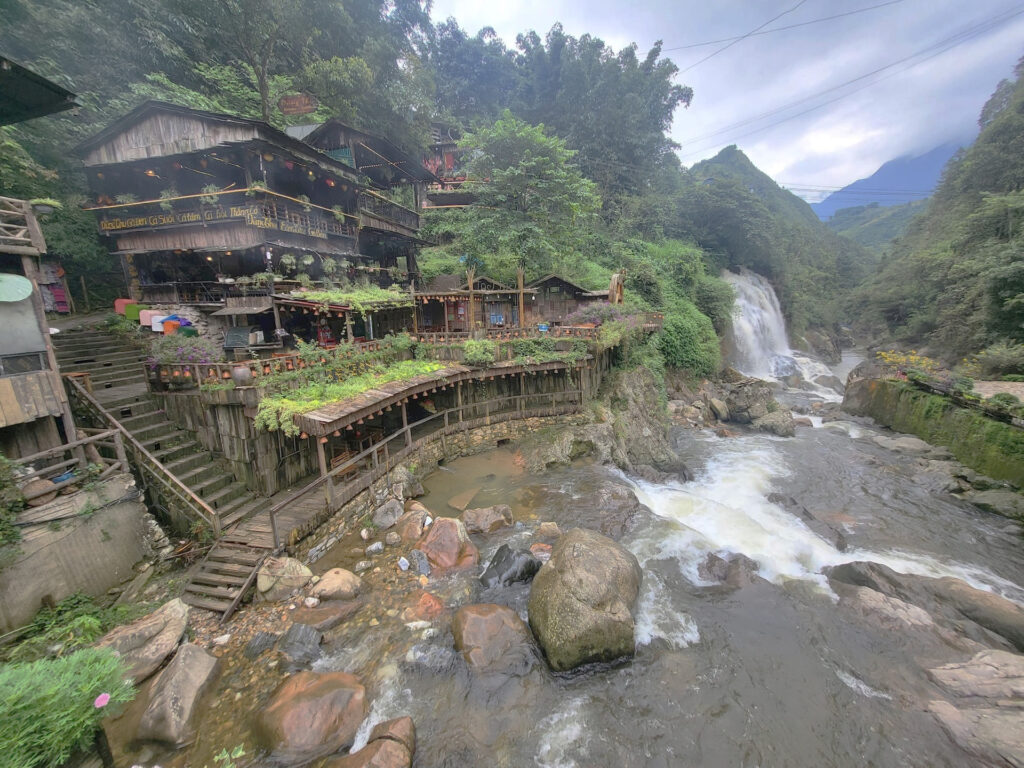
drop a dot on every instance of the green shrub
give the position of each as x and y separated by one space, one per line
479 352
1004 400
688 341
400 342
12 501
1001 359
1013 377
166 350
715 298
49 706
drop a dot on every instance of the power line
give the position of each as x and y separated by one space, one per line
932 51
780 29
743 37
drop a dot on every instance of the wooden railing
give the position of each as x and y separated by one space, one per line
192 374
507 334
376 205
79 464
19 230
386 454
147 465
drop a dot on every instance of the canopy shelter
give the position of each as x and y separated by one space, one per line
25 95
331 323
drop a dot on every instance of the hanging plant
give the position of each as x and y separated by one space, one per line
305 202
255 188
307 260
339 214
165 199
287 261
330 266
126 198
210 194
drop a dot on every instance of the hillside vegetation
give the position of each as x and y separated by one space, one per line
955 280
875 226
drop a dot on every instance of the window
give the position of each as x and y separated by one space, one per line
14 364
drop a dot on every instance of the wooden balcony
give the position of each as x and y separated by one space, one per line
19 230
376 212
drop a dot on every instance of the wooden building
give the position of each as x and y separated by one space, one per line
557 298
446 162
451 304
196 201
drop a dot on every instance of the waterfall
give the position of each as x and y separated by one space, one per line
758 343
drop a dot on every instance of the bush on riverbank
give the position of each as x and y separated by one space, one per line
54 706
688 341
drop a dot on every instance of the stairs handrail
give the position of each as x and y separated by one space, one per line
147 461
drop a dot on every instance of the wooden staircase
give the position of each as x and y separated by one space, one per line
118 380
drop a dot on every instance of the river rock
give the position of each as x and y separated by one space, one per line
388 513
260 643
311 715
411 486
719 408
337 584
487 519
541 551
375 549
989 610
301 644
492 637
392 744
173 698
425 607
410 526
145 643
902 444
988 674
447 546
894 613
581 600
778 422
327 615
393 539
509 566
820 527
463 499
279 577
618 507
748 399
992 735
734 570
1000 501
548 530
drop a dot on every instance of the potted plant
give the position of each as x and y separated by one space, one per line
255 188
43 206
210 194
165 199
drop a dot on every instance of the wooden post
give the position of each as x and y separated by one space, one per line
405 425
119 451
444 305
522 299
522 391
322 458
85 294
458 398
348 327
273 528
471 315
277 321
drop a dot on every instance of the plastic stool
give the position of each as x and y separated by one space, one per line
120 304
171 327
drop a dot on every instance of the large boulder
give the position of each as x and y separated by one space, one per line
391 745
618 507
447 546
748 400
509 566
992 735
410 526
174 696
988 674
581 600
388 513
279 577
311 715
144 644
1001 501
778 422
337 584
487 519
492 637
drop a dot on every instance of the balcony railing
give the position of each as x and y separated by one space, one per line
375 205
19 232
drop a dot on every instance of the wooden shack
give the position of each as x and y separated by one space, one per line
557 298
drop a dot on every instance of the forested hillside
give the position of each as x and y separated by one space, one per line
955 280
575 169
875 226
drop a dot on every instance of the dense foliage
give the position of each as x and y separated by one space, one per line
955 280
875 226
53 706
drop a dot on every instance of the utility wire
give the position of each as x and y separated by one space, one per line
932 51
743 37
780 29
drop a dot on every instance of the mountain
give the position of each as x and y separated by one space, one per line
875 226
898 181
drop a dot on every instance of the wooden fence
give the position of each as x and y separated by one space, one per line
57 464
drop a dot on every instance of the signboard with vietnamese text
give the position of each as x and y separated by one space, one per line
297 104
250 214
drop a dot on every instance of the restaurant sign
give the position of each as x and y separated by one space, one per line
251 215
297 104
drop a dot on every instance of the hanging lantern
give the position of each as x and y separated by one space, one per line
349 427
323 440
329 182
289 165
303 435
337 433
267 156
225 375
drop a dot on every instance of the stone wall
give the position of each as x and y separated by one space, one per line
76 549
422 463
985 445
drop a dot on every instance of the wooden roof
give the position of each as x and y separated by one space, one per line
557 278
339 415
25 95
375 156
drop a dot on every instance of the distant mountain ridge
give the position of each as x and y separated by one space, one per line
898 181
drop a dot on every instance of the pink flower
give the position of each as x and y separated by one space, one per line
102 700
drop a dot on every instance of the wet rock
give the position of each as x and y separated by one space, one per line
581 600
1000 501
748 400
820 527
337 584
144 644
431 657
487 519
719 408
388 513
509 566
403 564
260 643
365 534
541 551
894 613
278 577
989 610
361 566
734 570
988 674
311 715
411 486
375 549
903 444
619 508
447 546
392 744
492 637
311 602
410 526
393 539
463 499
802 422
420 561
830 382
328 614
684 414
301 644
401 729
549 531
992 735
778 422
173 698
425 607
723 432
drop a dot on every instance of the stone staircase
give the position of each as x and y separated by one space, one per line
116 370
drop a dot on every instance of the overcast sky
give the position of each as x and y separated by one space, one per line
931 98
